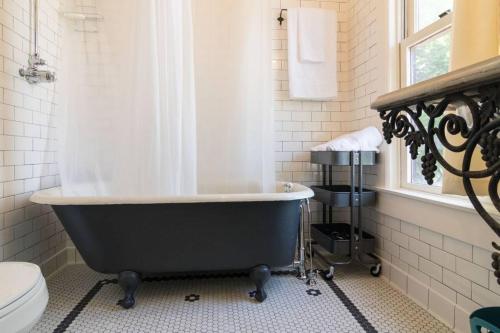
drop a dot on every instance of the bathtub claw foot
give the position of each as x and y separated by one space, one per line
127 303
129 281
260 296
260 275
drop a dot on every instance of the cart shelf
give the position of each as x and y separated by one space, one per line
343 158
335 238
340 196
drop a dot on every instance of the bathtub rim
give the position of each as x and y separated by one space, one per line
53 197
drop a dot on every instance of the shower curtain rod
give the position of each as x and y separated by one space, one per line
281 18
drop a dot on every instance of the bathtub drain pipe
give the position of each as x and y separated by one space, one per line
311 276
302 250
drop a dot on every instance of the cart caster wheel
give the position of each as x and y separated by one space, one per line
329 273
376 270
311 277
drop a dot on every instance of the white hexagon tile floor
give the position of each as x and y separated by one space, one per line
356 302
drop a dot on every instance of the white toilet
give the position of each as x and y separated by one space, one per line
23 296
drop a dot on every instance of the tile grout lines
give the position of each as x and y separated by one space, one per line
82 304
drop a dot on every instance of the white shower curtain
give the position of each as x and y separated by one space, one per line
128 107
234 102
130 124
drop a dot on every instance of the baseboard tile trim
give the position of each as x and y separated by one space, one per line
51 266
389 268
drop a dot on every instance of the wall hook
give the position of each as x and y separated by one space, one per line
281 18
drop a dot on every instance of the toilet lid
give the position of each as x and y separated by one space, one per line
16 280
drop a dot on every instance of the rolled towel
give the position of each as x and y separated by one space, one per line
368 139
342 143
321 147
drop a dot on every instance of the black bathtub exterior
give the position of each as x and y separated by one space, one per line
135 239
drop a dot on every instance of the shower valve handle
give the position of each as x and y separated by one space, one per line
35 60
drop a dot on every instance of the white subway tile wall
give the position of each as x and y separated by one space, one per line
27 140
433 270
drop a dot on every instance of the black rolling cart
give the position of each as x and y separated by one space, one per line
348 241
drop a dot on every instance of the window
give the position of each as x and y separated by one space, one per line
425 53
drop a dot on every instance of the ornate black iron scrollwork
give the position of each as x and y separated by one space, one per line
496 262
480 131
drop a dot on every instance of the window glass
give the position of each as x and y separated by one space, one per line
427 12
430 58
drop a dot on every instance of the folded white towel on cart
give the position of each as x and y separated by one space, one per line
368 139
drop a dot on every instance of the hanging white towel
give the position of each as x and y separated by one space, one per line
312 29
312 80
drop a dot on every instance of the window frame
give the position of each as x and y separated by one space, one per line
409 39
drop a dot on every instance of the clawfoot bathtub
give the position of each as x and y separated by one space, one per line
204 233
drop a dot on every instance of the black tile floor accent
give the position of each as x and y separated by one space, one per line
85 301
192 298
353 309
66 322
313 292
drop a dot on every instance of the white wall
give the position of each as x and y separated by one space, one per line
27 140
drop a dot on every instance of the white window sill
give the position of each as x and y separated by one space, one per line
445 200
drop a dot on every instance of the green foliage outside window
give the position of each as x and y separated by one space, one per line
429 59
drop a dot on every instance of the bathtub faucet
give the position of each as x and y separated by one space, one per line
33 74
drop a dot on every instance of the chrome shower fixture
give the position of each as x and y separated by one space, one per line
33 74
